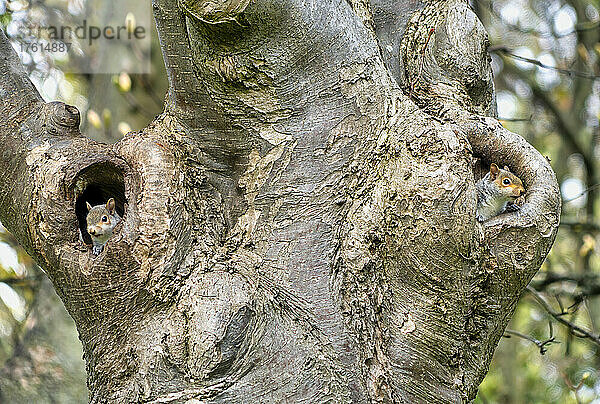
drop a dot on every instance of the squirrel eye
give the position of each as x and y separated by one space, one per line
506 181
104 218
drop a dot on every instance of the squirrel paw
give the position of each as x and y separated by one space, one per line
97 249
512 207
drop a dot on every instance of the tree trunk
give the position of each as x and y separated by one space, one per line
299 223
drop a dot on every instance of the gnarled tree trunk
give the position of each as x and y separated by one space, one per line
299 224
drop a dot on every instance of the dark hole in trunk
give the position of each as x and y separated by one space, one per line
96 184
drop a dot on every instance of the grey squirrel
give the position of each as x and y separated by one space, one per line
101 220
495 190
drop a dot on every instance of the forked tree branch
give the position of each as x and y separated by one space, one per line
577 330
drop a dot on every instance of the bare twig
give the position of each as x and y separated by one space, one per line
540 344
29 280
516 119
506 51
573 388
587 190
567 125
549 278
575 329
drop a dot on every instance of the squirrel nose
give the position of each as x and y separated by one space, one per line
92 231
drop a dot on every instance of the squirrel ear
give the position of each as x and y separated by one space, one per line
89 207
110 205
494 171
506 168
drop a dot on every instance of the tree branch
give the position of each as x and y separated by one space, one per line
188 95
549 278
21 106
579 331
42 159
569 72
565 124
567 127
540 344
328 204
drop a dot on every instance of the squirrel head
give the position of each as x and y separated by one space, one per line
101 219
508 184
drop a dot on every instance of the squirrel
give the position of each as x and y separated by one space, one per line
101 220
495 191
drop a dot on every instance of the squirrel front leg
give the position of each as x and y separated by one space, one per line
97 249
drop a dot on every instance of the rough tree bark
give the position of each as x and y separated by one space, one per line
299 224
